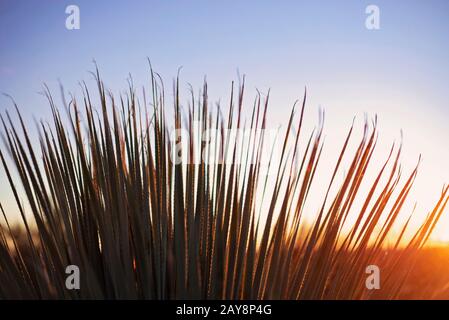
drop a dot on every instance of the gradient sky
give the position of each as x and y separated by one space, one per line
400 72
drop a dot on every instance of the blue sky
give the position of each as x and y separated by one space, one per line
400 72
278 45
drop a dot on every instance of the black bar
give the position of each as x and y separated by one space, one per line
245 309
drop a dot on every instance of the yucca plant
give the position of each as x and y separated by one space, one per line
105 195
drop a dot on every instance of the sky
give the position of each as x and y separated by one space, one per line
399 72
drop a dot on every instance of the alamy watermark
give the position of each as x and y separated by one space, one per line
72 21
372 282
217 146
72 282
372 21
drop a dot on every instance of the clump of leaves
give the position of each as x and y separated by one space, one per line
105 195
